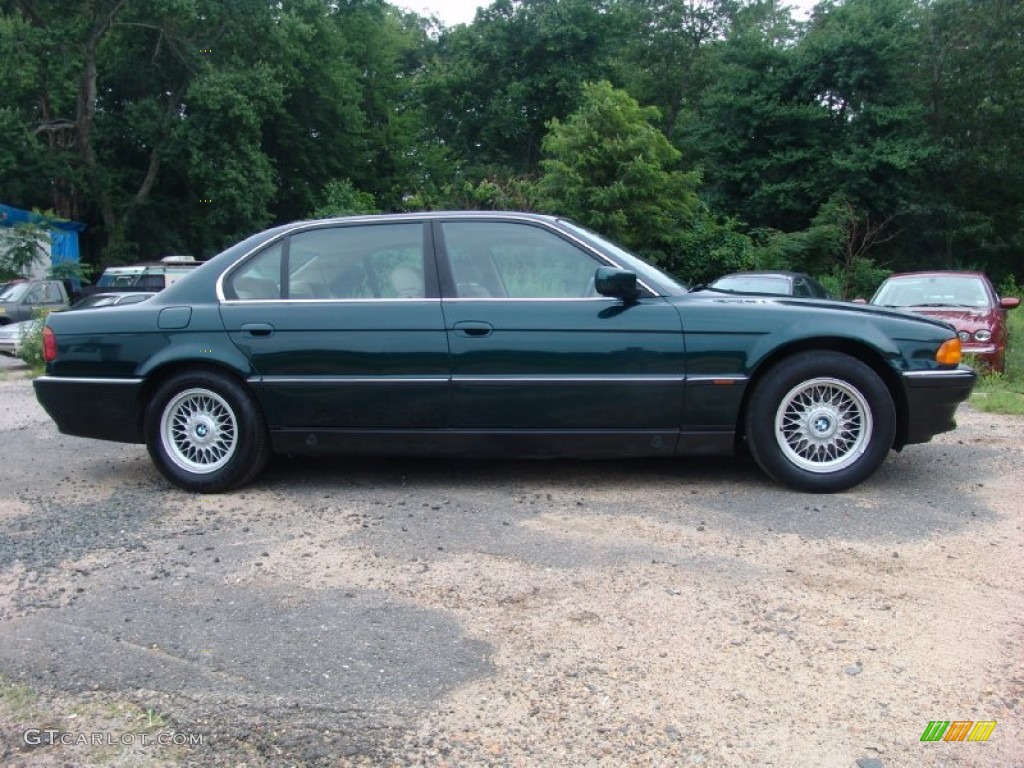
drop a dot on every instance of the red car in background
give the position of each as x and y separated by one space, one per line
965 300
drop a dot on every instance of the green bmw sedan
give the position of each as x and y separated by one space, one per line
490 334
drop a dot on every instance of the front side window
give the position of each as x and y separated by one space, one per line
382 261
517 261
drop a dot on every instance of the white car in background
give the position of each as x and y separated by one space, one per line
12 334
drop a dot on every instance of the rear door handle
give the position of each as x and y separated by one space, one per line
474 328
258 330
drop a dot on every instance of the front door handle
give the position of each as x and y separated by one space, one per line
474 328
258 330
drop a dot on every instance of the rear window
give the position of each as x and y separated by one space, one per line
772 285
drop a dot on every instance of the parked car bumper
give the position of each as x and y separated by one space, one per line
989 356
932 400
103 409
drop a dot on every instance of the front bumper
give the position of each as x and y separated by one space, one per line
103 409
932 400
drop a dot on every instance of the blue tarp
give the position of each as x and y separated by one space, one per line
63 233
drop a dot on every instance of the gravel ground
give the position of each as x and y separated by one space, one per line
357 613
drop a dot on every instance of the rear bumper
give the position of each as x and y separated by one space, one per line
932 400
103 409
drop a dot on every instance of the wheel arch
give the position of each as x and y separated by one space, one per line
157 376
860 351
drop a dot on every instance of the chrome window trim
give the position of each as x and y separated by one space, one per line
224 272
430 218
330 301
546 298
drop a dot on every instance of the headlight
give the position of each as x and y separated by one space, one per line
964 335
983 335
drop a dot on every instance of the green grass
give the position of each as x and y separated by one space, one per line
1004 393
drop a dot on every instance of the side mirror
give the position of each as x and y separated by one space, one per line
617 283
1010 302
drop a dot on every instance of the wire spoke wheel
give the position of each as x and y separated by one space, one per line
823 425
199 431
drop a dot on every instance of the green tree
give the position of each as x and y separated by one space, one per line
494 84
763 146
610 168
341 198
971 201
666 62
21 246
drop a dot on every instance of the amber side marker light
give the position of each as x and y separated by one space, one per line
949 353
49 345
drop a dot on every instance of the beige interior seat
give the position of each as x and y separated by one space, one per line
407 282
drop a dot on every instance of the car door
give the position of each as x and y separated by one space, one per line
344 325
535 349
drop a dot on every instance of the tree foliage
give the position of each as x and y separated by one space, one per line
706 134
609 167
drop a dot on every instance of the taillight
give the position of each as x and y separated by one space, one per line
49 345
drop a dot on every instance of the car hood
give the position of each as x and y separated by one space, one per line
960 317
833 306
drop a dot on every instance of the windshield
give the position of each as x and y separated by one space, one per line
652 277
15 292
751 284
932 291
96 300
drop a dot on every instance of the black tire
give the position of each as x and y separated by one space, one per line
820 422
205 433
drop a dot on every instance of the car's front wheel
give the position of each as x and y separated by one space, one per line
820 422
205 433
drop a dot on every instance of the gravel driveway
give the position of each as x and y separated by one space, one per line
349 612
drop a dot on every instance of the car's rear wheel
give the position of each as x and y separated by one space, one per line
205 432
820 422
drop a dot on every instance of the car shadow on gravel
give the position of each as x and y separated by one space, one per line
924 490
245 661
356 659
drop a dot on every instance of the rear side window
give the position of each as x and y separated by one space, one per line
151 282
259 278
381 261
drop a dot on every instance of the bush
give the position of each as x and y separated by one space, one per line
31 350
1004 392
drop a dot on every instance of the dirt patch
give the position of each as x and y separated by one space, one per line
514 614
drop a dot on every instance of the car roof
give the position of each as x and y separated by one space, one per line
121 294
765 273
940 273
420 215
